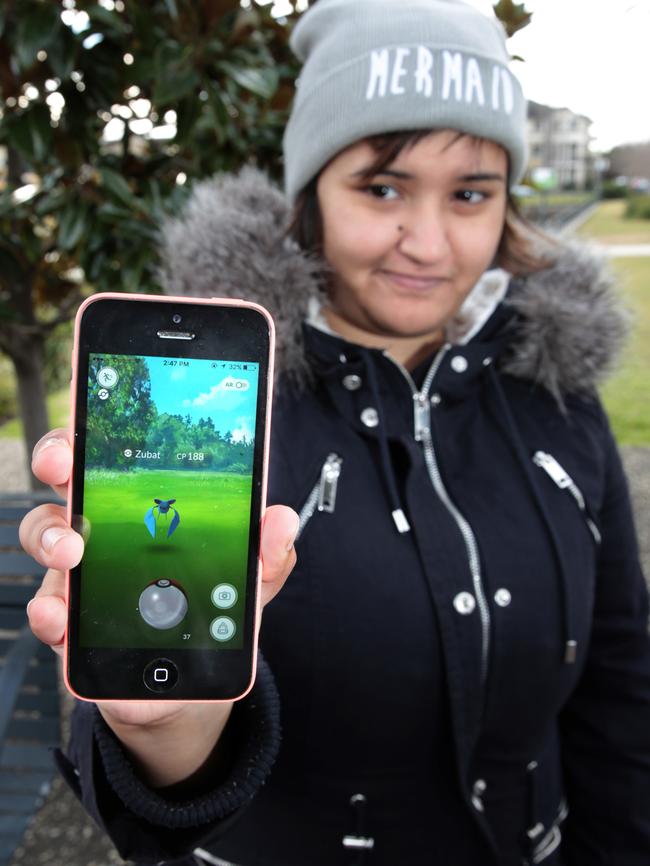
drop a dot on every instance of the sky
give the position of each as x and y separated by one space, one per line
590 56
202 390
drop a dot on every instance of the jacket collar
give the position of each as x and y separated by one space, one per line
230 241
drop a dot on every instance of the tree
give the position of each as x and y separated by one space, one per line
630 160
108 109
124 418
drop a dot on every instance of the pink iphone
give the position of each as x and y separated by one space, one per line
171 408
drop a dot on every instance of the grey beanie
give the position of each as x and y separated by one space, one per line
380 66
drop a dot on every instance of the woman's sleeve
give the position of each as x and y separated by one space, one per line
154 827
605 725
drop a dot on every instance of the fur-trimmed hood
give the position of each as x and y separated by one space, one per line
230 241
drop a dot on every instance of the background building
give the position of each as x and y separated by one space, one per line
559 139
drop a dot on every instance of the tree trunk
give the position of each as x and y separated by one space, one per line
30 368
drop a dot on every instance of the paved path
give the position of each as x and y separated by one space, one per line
627 250
614 251
14 466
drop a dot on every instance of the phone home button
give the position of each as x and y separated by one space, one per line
160 675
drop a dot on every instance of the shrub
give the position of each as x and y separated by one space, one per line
611 189
638 207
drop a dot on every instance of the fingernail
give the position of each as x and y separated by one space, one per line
50 537
53 440
292 537
29 604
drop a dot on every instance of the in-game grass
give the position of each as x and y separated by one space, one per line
209 547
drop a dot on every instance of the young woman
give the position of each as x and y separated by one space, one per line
460 659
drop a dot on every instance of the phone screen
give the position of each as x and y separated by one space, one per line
167 491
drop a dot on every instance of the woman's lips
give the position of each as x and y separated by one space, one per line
407 281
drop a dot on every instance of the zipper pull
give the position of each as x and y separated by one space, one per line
329 482
421 416
564 481
552 468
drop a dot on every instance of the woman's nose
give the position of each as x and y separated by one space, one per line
423 235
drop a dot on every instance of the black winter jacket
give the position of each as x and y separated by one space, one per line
461 654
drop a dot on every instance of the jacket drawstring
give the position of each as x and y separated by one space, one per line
570 644
397 511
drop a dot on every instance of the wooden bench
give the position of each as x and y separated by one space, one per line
29 694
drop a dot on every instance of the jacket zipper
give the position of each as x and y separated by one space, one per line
564 481
323 494
551 841
422 430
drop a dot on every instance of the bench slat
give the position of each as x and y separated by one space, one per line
17 594
13 513
21 804
42 653
9 535
12 618
44 730
41 676
24 783
29 674
33 756
45 702
19 564
13 826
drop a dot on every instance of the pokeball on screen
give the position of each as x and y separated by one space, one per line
162 604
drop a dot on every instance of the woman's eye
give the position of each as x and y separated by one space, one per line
471 196
382 191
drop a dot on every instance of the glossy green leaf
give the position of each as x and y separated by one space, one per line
117 186
62 54
38 26
110 213
220 112
108 20
154 199
72 224
261 82
30 132
187 113
175 83
172 8
95 265
50 203
10 266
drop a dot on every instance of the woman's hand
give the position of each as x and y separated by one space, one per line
145 727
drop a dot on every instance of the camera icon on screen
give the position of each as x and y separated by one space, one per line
224 596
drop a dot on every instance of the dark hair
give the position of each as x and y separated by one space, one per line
515 252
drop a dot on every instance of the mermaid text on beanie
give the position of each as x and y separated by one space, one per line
451 75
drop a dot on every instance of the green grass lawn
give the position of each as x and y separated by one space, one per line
627 394
553 199
208 547
607 225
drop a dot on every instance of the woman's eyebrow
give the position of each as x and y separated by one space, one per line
388 172
475 178
404 175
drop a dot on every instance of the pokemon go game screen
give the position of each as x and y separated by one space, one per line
167 500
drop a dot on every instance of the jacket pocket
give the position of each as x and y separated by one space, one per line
563 480
322 496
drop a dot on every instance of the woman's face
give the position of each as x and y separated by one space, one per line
408 244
